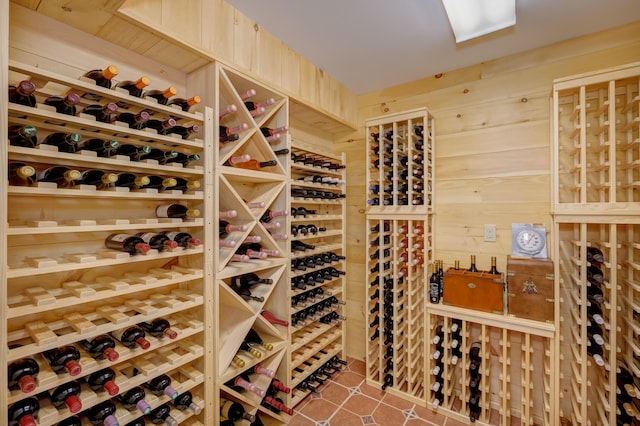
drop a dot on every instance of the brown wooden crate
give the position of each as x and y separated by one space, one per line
474 290
530 288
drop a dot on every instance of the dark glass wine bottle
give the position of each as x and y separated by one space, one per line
269 316
66 142
131 337
134 152
472 266
595 256
23 412
103 77
185 132
494 269
158 328
161 96
64 105
20 174
104 380
185 104
434 286
162 127
135 121
70 421
101 347
67 394
131 181
161 385
156 241
22 374
184 401
102 414
102 113
162 415
135 88
127 243
23 93
176 211
103 147
64 358
234 411
134 398
183 239
25 136
184 159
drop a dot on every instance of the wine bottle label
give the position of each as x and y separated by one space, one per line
163 211
171 235
119 238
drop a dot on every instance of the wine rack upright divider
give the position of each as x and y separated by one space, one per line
58 274
314 342
252 193
596 134
400 170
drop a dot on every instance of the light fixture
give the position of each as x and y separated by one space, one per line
474 18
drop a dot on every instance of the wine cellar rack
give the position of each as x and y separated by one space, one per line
317 198
400 249
253 194
597 210
59 272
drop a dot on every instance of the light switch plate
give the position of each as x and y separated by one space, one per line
490 233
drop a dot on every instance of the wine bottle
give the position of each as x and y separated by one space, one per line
159 155
596 353
23 93
132 336
474 412
161 385
229 109
625 380
256 165
158 242
67 394
595 275
493 269
103 414
70 421
64 358
22 374
135 121
594 333
594 314
269 316
23 412
135 88
158 328
134 152
184 159
184 104
162 127
595 294
253 338
475 358
64 105
595 256
249 280
162 415
20 174
472 266
161 96
183 239
387 381
66 142
225 228
242 382
184 401
272 214
159 183
101 347
103 147
102 113
434 286
140 421
176 211
134 398
104 380
103 77
185 132
255 105
131 181
127 243
98 178
234 411
23 136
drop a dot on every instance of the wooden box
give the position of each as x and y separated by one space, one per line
481 291
530 288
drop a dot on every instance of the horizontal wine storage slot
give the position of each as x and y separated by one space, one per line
65 287
317 275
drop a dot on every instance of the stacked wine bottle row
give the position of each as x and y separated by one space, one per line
121 224
318 264
400 161
601 327
252 261
398 254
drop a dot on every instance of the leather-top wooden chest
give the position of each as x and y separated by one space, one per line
530 288
481 291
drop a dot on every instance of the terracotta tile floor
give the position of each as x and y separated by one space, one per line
346 400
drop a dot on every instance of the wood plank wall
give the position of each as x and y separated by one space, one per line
492 151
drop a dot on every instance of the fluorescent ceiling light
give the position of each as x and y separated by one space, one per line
473 18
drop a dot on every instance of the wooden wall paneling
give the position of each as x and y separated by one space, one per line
126 34
184 18
270 51
290 69
217 29
246 39
308 82
86 16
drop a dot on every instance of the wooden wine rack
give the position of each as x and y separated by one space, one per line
58 273
251 193
314 343
597 205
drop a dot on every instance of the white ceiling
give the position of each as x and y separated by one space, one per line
368 45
